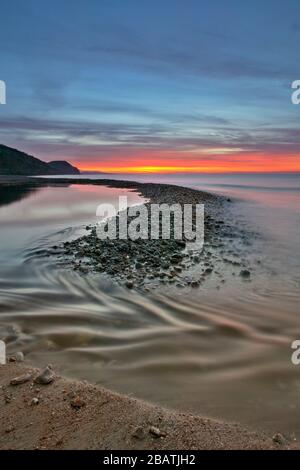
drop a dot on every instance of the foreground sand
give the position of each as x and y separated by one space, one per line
77 415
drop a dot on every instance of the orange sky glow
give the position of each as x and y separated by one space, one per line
231 164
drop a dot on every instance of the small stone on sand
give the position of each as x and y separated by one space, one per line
245 273
77 403
138 433
46 377
9 429
19 356
278 438
156 432
21 379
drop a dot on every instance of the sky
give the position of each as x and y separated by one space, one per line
139 85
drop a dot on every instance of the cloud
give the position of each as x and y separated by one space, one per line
115 141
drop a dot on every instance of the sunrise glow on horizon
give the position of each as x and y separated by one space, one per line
257 165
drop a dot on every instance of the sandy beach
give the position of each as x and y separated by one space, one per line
75 415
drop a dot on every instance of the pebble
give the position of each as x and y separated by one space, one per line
245 273
47 376
77 403
7 398
83 269
129 284
139 433
9 429
178 269
156 432
278 438
21 379
34 401
195 283
208 271
19 356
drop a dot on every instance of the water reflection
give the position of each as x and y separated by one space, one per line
11 194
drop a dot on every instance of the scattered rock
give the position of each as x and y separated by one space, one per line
7 397
19 356
9 429
178 269
83 269
245 273
21 379
156 432
136 263
35 401
138 433
46 377
77 403
195 284
278 438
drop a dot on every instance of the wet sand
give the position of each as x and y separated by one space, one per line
75 415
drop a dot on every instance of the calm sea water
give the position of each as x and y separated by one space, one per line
223 353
